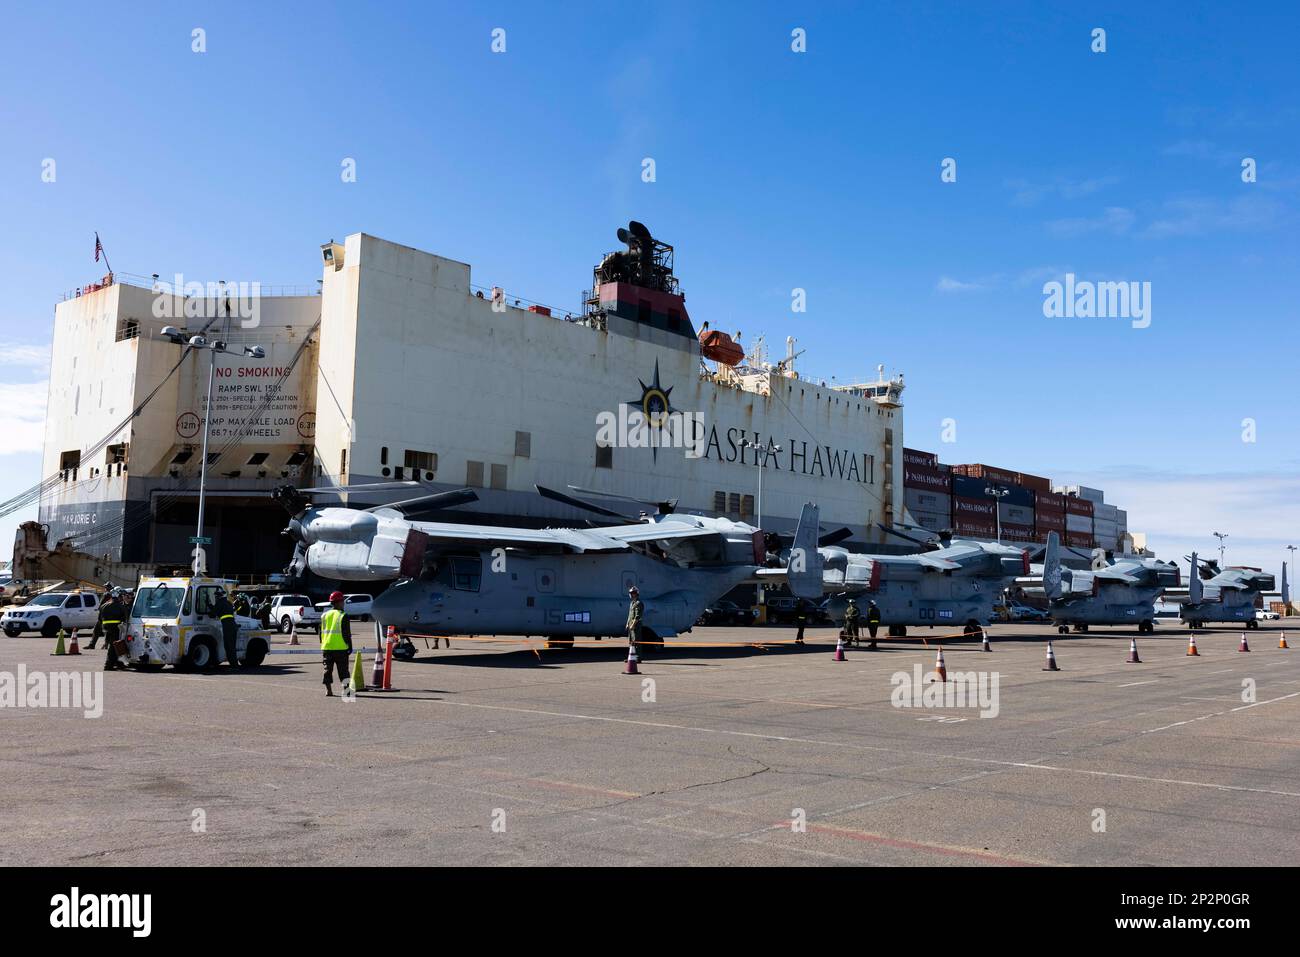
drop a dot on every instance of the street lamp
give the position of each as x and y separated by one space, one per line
213 346
998 492
762 464
1287 598
1220 536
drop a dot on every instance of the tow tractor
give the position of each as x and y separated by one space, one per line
174 622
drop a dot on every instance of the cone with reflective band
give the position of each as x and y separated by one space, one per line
389 645
1133 658
630 668
73 649
358 677
985 646
1281 642
1051 659
939 668
1243 646
377 676
58 646
839 649
1191 647
293 633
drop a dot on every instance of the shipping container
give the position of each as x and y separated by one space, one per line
924 477
1094 495
1079 539
1104 511
1050 522
974 509
989 473
1049 502
1034 482
934 521
1017 514
976 488
1078 523
926 459
1017 532
915 499
968 528
1078 506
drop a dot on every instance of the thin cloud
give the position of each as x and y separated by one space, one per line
25 355
1027 192
22 416
1198 216
1115 220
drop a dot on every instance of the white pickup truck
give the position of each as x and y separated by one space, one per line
50 612
290 612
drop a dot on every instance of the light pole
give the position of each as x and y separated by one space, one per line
1287 598
998 492
762 464
1220 536
213 346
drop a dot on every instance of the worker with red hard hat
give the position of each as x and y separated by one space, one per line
335 644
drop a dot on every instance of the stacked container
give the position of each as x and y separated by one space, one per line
1049 515
1105 526
1078 522
927 490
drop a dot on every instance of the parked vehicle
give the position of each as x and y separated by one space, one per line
50 612
1019 612
725 613
356 607
174 621
290 612
1263 614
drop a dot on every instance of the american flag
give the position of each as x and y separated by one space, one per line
99 247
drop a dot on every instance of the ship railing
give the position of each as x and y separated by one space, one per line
158 284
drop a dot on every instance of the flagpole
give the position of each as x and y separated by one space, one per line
99 248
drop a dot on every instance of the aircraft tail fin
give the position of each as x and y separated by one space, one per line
1052 566
804 573
1195 590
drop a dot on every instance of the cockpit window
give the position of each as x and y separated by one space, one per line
466 573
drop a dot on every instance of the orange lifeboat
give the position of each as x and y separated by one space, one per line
720 347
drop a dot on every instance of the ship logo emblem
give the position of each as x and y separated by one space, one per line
655 405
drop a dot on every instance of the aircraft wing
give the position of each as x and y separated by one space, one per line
1113 574
615 538
937 564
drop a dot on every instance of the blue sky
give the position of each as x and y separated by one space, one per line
774 170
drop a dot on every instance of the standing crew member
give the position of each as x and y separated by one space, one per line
111 615
635 611
851 616
335 643
801 616
873 622
229 627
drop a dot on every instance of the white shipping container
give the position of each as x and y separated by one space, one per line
917 498
935 521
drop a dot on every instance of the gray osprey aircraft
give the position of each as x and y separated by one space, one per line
557 583
1120 592
954 582
1227 595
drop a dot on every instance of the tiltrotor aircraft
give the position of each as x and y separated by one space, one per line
1120 592
954 582
1227 595
557 583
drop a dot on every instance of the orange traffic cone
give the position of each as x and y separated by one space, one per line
1191 647
986 646
1281 642
1243 646
630 668
1133 658
1051 659
293 633
377 675
939 668
72 645
839 648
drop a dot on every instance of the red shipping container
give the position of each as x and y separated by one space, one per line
965 528
1079 539
1049 502
1015 532
1078 506
991 473
540 310
926 459
1049 521
1035 482
929 479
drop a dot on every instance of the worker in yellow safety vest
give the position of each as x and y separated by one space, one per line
335 643
225 612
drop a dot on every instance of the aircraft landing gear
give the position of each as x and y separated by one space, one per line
1252 623
1146 627
972 627
1062 629
897 631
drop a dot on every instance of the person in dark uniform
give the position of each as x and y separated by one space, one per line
851 617
264 612
242 606
98 631
225 612
873 622
112 614
635 612
335 644
801 616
